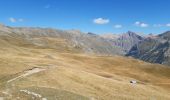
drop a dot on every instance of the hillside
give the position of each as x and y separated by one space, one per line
56 75
44 64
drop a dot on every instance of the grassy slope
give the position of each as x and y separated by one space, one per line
79 76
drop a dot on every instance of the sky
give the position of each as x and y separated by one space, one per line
97 16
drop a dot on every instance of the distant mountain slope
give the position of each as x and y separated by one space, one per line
110 36
72 40
125 41
165 35
154 50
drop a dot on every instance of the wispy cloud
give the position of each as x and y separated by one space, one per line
101 21
14 20
47 6
118 26
168 25
20 20
157 25
162 25
141 24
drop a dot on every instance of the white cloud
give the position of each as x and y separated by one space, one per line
137 23
118 26
101 21
168 25
141 24
12 20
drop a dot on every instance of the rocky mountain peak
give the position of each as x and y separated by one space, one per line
165 35
130 33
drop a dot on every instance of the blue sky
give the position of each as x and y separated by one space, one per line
98 16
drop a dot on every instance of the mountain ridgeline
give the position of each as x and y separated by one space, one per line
154 49
64 41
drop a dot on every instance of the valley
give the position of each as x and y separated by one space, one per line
49 68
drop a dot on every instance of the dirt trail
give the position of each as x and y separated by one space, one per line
27 73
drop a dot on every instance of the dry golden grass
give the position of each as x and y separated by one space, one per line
80 76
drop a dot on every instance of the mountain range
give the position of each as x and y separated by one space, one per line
73 39
151 48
